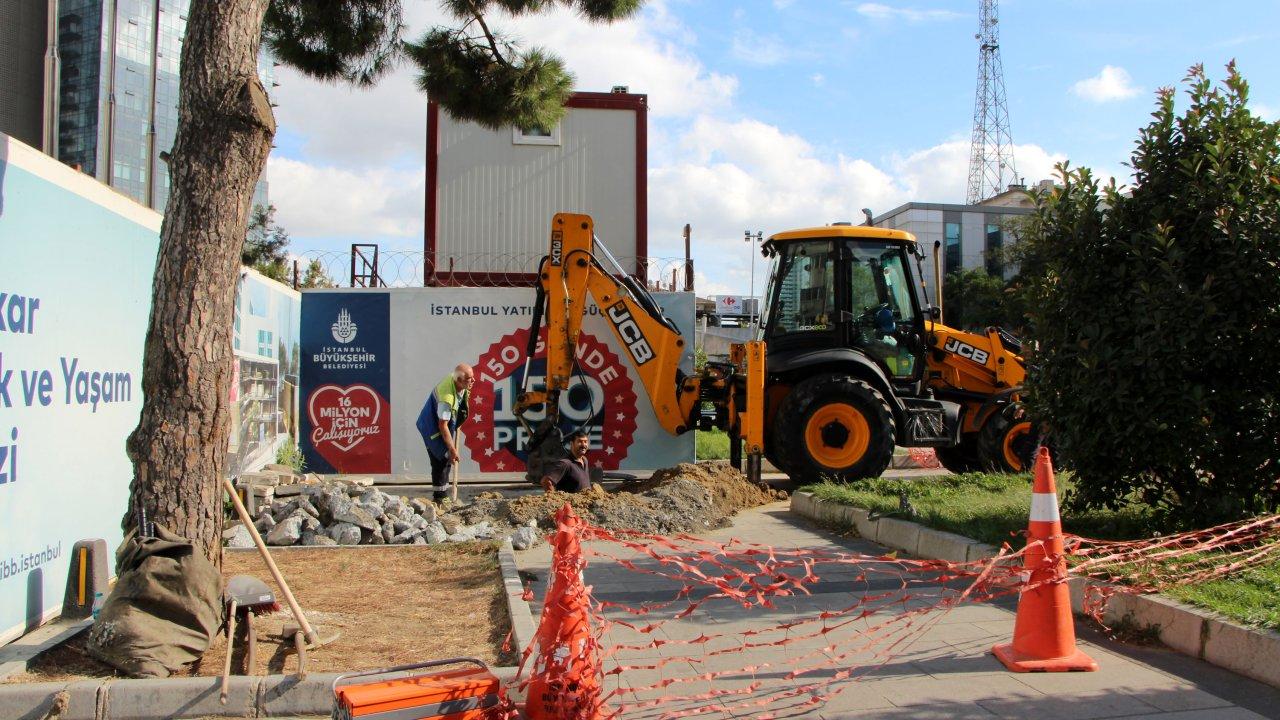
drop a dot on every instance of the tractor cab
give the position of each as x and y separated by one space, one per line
844 287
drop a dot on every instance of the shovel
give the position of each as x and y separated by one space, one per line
457 457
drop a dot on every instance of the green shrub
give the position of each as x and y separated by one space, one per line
290 454
1158 314
711 445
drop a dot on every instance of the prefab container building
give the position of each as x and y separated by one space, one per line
491 193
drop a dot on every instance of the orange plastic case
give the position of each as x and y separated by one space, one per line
460 694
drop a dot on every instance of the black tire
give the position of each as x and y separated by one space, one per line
962 458
774 450
845 403
1007 442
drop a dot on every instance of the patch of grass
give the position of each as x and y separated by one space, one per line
989 507
290 454
711 444
993 508
1251 597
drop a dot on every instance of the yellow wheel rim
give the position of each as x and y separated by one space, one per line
837 435
1011 438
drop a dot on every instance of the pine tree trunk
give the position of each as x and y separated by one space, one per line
225 128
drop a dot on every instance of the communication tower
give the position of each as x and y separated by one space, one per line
991 167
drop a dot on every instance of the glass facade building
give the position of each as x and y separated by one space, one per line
23 42
118 92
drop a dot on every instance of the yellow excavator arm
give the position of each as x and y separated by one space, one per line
572 269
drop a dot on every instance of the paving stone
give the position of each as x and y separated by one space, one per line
928 690
1179 698
943 711
1075 707
1226 713
947 671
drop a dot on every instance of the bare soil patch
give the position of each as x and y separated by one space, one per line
685 498
391 606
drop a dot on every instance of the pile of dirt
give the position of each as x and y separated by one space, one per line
685 498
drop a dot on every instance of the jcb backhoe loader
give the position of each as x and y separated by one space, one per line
852 361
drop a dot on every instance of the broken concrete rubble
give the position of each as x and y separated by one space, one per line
288 532
686 498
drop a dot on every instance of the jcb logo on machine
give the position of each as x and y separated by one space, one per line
629 331
965 350
557 245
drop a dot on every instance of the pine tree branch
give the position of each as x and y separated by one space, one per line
493 43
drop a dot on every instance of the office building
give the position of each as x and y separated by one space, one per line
23 43
115 67
971 236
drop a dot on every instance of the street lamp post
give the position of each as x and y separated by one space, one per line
752 238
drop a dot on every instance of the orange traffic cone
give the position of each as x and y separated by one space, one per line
1044 636
566 682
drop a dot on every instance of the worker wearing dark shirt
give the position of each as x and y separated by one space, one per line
570 474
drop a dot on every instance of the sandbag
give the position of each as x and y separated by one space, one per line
164 610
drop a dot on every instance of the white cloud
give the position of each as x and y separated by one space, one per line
818 79
352 128
320 201
762 50
648 54
941 173
1112 83
877 11
747 175
1267 112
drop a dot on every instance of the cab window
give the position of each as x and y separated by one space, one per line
880 300
806 283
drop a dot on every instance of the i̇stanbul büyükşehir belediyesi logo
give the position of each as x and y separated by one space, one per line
344 330
600 398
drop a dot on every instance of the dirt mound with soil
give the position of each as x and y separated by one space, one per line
685 498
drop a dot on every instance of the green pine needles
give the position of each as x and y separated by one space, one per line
473 71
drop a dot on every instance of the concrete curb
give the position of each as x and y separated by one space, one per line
171 698
523 627
1218 641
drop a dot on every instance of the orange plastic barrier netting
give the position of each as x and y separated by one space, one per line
578 670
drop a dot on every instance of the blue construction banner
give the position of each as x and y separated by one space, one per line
76 262
346 381
434 329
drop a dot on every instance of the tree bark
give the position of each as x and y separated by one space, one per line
225 128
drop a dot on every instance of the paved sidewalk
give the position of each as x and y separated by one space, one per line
946 672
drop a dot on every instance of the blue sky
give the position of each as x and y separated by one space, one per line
779 113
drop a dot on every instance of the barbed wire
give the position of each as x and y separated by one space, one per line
367 267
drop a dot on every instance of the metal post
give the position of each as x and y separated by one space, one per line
688 261
753 238
52 83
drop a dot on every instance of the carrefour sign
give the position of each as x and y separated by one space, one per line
729 305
